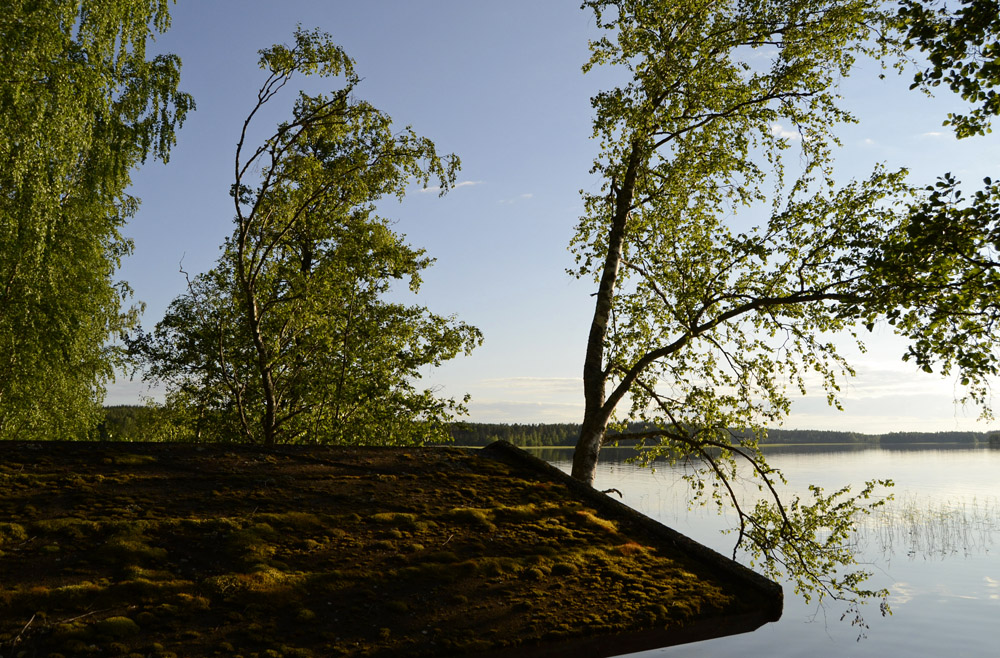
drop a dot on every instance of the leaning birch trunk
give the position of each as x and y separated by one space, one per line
598 411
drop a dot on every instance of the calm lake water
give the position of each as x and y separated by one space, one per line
935 547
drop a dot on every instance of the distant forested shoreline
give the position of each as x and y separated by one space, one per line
566 434
133 423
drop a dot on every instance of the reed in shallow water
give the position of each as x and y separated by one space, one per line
918 527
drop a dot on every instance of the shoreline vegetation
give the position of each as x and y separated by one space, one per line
133 423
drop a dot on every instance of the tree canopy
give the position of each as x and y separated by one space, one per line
291 337
727 255
945 259
80 106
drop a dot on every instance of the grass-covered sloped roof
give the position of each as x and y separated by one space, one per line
136 549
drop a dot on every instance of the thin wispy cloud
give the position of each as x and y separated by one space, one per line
928 413
937 134
885 380
550 384
521 197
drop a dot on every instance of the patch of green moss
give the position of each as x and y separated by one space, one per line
117 627
537 573
253 544
498 566
227 574
474 516
149 590
262 579
70 630
78 593
402 521
130 548
521 513
71 528
441 556
590 517
191 602
145 618
12 533
563 569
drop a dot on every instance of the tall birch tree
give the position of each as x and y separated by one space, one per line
290 338
724 267
81 105
725 255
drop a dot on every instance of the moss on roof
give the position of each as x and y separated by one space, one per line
221 550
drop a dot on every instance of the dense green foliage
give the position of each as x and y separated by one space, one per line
726 252
126 422
80 106
945 260
703 319
290 338
944 263
961 41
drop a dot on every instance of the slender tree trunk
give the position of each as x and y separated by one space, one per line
595 375
268 424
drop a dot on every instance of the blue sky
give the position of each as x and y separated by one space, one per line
500 85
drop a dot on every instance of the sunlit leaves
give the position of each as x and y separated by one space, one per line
312 54
290 337
962 43
811 542
724 265
944 263
80 106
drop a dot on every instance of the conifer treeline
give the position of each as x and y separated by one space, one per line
134 423
481 434
566 434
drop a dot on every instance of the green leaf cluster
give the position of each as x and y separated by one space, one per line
962 43
80 106
943 264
